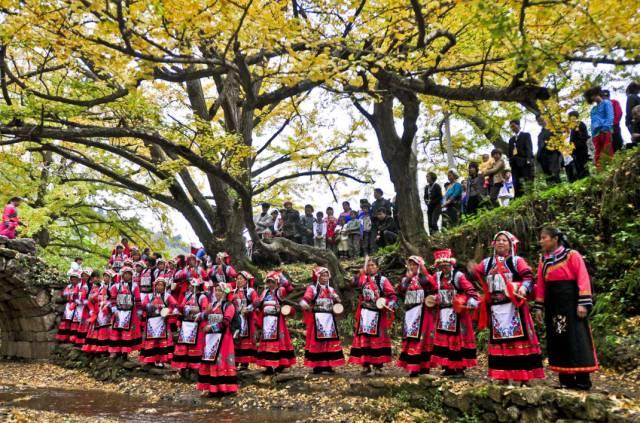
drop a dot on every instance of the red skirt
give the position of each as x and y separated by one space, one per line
220 376
97 339
157 350
277 352
187 356
519 359
368 349
321 353
126 340
455 350
247 348
415 354
64 331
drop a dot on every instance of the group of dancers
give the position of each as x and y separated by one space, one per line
224 323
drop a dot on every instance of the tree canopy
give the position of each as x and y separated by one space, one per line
206 106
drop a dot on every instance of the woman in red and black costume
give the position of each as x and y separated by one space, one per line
180 283
246 300
80 322
125 334
419 320
372 342
70 294
322 347
217 374
223 271
454 345
188 349
275 351
506 278
100 311
563 296
157 346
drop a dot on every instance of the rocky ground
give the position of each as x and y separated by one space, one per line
151 395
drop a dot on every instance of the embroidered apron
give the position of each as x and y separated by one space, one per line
447 317
506 322
156 328
124 302
414 300
212 341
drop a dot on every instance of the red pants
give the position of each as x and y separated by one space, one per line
602 144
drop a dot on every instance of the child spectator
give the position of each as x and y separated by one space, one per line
486 164
507 191
368 240
342 239
352 229
332 223
320 231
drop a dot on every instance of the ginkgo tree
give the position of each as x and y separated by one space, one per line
167 99
67 215
406 56
184 100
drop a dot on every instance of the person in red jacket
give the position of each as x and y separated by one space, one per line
125 305
188 349
246 300
454 346
70 294
217 374
157 346
419 319
322 348
371 344
507 279
10 220
616 137
100 316
563 297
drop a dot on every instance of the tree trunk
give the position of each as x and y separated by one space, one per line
400 158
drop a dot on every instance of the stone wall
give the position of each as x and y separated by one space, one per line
499 403
28 309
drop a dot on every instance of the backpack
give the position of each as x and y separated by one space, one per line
236 322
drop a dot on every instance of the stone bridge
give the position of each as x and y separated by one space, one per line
28 306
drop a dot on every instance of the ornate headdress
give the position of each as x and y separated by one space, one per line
444 256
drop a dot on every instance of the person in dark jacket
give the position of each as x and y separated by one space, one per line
520 155
550 159
433 200
579 139
291 218
306 225
380 202
387 230
633 100
474 189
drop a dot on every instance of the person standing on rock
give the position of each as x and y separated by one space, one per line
188 349
419 318
217 374
275 351
454 344
10 220
372 338
246 299
125 304
563 297
157 346
507 280
100 316
70 293
322 348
